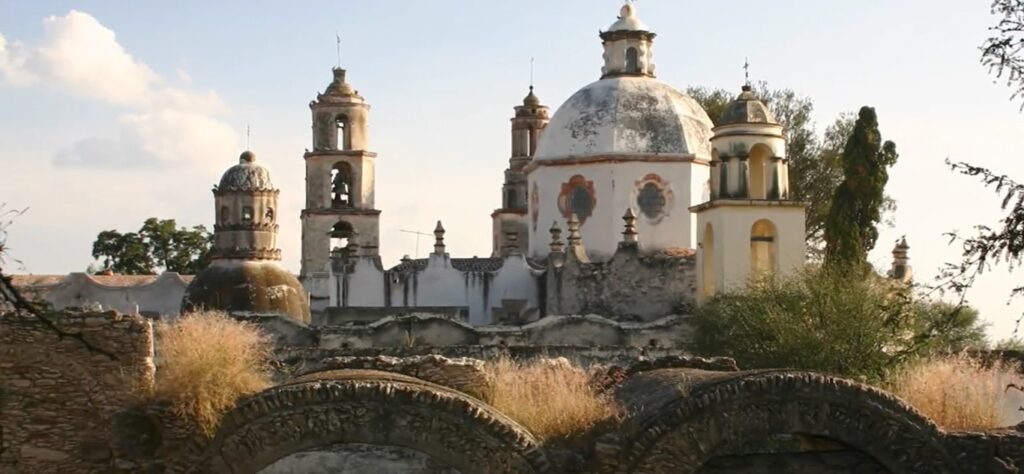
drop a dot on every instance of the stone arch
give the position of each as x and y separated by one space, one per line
366 407
632 60
760 171
683 417
344 134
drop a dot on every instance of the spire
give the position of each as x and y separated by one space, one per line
629 235
901 269
556 238
439 239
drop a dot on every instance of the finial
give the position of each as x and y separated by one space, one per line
746 74
246 157
439 239
531 73
630 234
556 238
248 135
573 224
627 9
338 36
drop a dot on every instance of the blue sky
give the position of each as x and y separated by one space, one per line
117 111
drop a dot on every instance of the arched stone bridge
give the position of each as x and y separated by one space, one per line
678 421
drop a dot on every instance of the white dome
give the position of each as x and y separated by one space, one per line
628 21
626 115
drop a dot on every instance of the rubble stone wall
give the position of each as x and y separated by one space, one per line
58 399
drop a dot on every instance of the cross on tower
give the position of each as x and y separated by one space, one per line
338 37
746 70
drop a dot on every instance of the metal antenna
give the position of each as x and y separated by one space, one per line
746 70
418 235
338 37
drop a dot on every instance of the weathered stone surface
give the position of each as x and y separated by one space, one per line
367 407
463 374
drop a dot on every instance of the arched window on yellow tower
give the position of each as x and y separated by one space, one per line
708 263
760 158
763 248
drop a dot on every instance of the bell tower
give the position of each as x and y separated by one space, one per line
339 178
530 119
750 227
627 46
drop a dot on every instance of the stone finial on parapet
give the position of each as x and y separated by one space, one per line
439 239
556 245
629 235
901 269
512 243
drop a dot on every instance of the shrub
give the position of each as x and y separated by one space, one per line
960 392
207 362
552 398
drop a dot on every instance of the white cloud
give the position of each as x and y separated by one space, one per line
161 124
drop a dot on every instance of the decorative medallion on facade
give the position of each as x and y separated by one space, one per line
534 205
577 197
653 197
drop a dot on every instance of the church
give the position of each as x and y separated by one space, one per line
626 203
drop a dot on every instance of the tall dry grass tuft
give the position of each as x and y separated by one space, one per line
207 362
959 392
552 398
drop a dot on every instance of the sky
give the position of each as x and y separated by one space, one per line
113 112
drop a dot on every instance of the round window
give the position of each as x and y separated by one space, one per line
651 200
580 202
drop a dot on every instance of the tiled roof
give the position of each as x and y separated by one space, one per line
473 264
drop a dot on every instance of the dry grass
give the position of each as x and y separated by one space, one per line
208 362
960 392
552 398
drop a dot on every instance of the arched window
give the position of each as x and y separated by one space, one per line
343 143
269 215
762 248
708 262
225 214
632 61
759 168
340 235
247 214
341 185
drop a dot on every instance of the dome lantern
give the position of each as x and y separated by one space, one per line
627 46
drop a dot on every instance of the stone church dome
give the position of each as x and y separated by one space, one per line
248 286
746 109
624 115
246 176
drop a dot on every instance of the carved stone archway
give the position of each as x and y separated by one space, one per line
682 417
373 408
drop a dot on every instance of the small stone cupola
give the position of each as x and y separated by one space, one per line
245 273
748 152
627 46
246 213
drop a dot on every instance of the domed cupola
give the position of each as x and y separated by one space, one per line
625 140
245 274
747 108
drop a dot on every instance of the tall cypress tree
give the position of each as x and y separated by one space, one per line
851 226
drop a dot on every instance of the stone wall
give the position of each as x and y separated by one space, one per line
631 286
59 400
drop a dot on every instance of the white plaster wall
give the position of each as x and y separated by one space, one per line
731 226
365 284
615 190
162 296
514 281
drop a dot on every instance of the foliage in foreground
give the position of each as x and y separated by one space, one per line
960 392
552 398
207 362
845 323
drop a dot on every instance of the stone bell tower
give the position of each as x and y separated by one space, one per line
510 219
339 179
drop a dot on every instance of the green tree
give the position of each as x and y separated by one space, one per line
815 167
851 227
159 244
837 322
